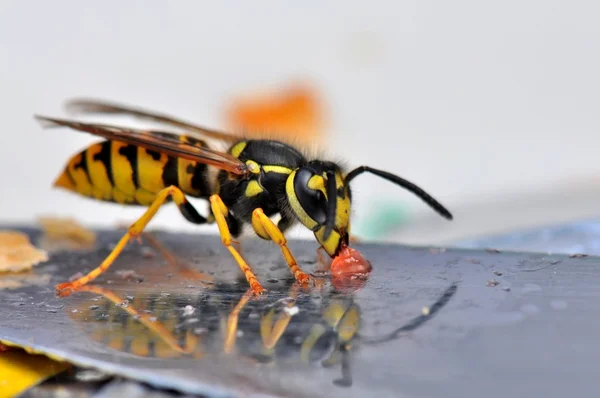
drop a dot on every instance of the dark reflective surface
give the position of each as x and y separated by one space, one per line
176 313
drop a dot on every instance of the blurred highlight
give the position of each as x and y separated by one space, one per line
294 111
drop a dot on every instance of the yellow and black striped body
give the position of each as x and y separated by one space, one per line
117 172
127 174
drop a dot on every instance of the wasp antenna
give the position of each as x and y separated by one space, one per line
434 204
331 204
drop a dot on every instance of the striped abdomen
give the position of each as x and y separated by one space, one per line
118 172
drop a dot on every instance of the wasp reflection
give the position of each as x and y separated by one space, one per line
285 326
290 324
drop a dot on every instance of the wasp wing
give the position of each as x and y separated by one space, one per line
91 106
163 142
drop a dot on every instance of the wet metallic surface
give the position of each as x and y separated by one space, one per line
576 237
516 325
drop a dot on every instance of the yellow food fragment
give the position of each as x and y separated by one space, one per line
65 233
17 254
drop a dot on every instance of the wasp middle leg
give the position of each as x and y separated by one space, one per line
266 229
221 212
188 211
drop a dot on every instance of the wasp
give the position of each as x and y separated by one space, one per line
247 184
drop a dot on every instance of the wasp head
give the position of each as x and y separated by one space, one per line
320 199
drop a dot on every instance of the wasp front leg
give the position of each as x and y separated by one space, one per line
220 212
266 229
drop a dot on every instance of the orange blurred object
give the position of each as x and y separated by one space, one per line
292 112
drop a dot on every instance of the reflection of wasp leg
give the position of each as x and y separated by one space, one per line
146 320
221 213
271 330
188 211
346 380
266 229
173 261
232 323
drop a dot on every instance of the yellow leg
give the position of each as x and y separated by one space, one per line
265 227
64 289
271 330
232 323
220 212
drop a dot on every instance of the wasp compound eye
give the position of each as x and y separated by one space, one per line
312 201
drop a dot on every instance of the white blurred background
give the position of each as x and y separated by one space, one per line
492 107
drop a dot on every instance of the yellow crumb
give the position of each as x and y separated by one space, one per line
17 254
65 233
425 311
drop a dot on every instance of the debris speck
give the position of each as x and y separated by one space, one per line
199 331
492 282
190 286
130 275
240 333
425 311
152 319
506 288
130 298
94 307
492 250
272 280
165 294
148 252
74 311
188 310
291 311
578 255
497 273
124 304
253 315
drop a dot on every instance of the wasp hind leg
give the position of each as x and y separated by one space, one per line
221 214
266 229
134 231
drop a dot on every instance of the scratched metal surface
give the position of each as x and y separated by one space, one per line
534 333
